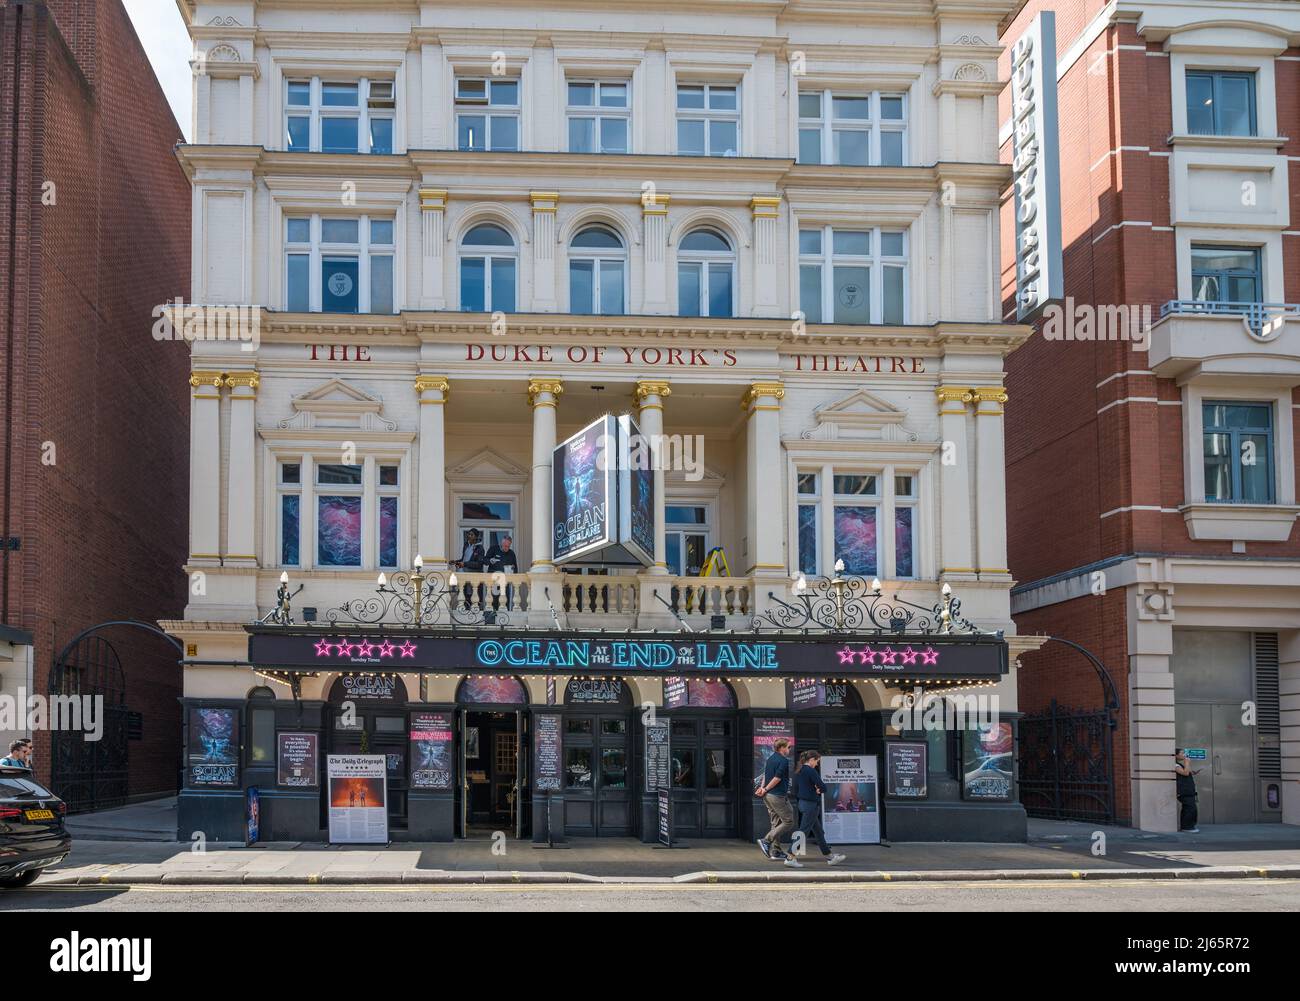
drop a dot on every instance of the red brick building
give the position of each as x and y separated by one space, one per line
94 234
1152 471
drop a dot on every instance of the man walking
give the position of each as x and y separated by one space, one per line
1184 776
809 790
774 792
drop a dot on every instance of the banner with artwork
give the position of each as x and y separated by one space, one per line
358 799
432 741
850 805
213 751
583 489
766 733
987 751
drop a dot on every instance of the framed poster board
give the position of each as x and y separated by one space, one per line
850 805
297 761
583 489
212 754
358 798
657 757
906 768
432 750
987 762
547 752
766 734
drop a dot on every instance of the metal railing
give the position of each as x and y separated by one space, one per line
1256 315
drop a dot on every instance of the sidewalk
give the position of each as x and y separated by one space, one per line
127 846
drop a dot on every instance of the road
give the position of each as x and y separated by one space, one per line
1055 896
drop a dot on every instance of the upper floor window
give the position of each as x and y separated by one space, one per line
687 531
706 267
487 114
339 265
1238 452
852 129
599 114
1220 104
852 275
1226 274
597 273
351 116
488 267
708 120
852 511
290 493
338 515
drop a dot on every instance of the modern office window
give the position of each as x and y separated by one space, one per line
868 129
1226 274
853 275
349 116
339 265
706 267
338 515
854 510
597 273
290 495
487 114
1220 103
388 487
708 120
599 114
1238 452
489 265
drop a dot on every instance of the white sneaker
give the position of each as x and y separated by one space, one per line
792 862
836 859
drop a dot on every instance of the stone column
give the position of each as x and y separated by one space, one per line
1151 707
544 208
205 468
543 395
433 212
431 512
766 213
990 482
764 481
654 219
955 498
650 398
241 493
1289 692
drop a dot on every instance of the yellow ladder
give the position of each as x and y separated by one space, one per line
715 564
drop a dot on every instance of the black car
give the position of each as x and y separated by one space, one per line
32 835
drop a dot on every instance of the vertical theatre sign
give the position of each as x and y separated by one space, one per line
602 494
1036 167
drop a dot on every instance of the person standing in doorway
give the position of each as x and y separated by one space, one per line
1184 775
809 790
774 791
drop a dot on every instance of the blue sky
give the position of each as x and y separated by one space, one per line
163 34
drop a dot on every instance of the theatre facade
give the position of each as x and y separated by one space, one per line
738 411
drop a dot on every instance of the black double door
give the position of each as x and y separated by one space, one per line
703 774
382 731
829 733
598 780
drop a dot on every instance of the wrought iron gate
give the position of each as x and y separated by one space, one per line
1067 766
86 774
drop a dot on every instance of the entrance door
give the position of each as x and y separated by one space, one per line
491 772
703 776
1225 787
597 800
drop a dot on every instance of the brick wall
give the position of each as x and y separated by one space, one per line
103 525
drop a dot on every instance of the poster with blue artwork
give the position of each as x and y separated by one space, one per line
213 747
582 479
339 531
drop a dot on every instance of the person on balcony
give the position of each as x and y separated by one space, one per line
503 559
472 560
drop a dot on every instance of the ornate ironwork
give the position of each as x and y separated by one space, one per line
1067 764
852 604
282 613
416 598
91 775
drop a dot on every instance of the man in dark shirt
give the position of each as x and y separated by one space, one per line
502 559
809 789
774 792
1183 775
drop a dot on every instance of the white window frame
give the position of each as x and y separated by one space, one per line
708 114
876 262
316 111
317 251
596 255
321 490
489 253
382 491
702 259
677 529
874 125
484 108
886 499
485 526
282 490
598 112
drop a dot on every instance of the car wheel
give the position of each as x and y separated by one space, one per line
22 879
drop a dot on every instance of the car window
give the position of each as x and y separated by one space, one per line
15 788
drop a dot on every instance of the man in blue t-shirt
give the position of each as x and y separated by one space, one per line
773 791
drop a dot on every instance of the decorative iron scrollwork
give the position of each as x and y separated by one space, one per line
414 598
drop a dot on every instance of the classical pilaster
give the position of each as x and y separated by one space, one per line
990 482
766 210
1151 707
543 396
433 213
545 204
956 500
654 219
764 519
241 493
205 468
431 515
650 398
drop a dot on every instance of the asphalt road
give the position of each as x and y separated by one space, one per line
1055 896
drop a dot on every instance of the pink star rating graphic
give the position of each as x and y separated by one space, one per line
846 655
408 649
323 648
365 648
931 655
909 656
346 648
888 655
866 655
386 649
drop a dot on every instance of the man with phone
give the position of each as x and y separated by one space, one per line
1184 776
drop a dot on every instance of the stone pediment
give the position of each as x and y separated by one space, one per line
486 465
337 405
861 416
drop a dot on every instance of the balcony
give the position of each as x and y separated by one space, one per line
1229 342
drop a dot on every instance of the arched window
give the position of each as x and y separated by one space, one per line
489 264
706 272
597 273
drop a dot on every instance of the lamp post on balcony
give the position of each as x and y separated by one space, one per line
412 598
